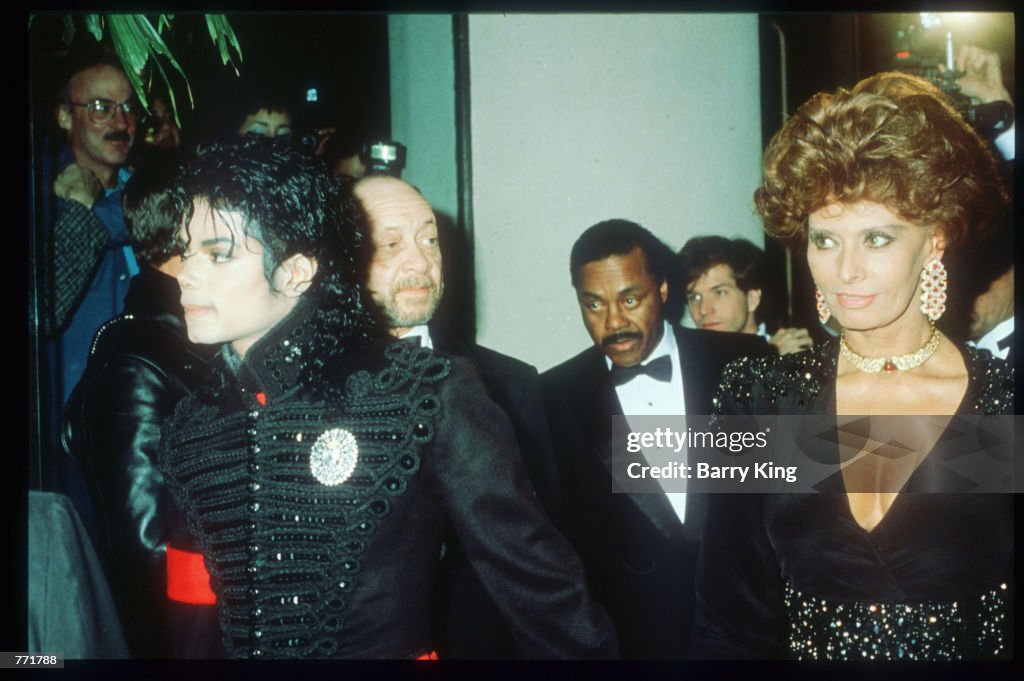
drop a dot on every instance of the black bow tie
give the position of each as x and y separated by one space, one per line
412 341
1005 342
660 369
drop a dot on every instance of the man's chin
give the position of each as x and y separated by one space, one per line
114 161
117 159
116 153
408 320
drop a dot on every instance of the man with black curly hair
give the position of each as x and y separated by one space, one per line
140 365
320 468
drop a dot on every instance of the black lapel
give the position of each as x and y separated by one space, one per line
599 403
694 361
594 395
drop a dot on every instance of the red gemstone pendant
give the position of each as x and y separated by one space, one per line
889 367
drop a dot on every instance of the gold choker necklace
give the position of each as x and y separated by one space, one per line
896 363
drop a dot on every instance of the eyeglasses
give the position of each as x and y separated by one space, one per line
103 110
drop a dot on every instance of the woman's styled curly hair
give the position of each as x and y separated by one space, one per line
291 204
895 140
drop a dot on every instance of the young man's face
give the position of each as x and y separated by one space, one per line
224 288
621 303
716 303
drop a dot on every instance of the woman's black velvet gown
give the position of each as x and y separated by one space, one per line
794 575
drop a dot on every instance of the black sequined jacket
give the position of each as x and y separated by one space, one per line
794 575
302 568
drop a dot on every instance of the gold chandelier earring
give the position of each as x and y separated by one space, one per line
823 312
933 289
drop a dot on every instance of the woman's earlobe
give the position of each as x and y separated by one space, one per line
939 244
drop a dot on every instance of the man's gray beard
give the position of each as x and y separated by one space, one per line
396 321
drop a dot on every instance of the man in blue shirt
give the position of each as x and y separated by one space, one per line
91 262
87 262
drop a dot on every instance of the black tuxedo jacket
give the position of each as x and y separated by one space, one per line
639 558
468 624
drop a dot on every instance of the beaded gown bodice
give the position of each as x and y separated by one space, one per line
794 575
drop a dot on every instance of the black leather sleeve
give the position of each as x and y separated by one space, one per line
128 405
529 570
114 429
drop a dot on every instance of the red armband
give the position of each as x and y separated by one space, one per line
187 578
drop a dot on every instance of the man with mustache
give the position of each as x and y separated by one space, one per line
91 261
87 261
639 550
406 280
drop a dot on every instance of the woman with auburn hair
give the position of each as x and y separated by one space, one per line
883 182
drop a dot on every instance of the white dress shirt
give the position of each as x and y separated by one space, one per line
647 396
1006 143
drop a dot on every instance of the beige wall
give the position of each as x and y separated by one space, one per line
580 118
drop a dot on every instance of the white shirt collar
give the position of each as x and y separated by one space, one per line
423 332
647 396
1006 143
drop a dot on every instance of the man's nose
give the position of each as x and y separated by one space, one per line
417 261
706 307
615 320
120 120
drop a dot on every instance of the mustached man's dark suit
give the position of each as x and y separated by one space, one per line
639 558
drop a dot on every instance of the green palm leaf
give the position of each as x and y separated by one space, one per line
94 24
223 37
137 42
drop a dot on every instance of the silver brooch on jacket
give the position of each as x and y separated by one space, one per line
334 456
